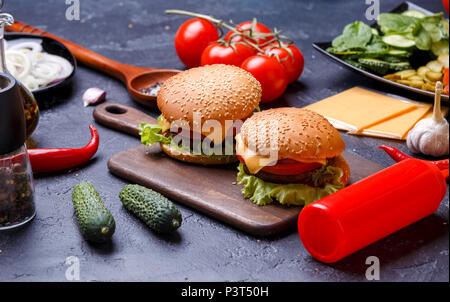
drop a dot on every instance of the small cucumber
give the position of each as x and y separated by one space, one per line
95 221
158 212
398 66
393 59
378 66
398 41
354 63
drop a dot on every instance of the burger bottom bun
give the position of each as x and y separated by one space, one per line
197 159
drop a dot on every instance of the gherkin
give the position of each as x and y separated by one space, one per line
96 222
398 66
158 212
378 66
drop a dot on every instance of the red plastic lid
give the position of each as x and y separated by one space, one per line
321 225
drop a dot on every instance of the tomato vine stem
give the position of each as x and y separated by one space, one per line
248 35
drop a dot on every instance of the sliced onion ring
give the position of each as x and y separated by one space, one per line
34 68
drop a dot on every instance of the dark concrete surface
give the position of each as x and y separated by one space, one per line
138 32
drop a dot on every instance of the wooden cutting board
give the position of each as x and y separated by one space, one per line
209 189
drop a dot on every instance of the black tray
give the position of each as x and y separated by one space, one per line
322 46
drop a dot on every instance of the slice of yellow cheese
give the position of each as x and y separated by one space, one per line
255 162
357 109
399 126
165 124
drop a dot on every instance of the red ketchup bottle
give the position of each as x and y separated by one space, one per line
373 208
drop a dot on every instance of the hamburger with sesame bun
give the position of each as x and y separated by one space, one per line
201 110
291 155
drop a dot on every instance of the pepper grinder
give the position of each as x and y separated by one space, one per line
16 179
31 109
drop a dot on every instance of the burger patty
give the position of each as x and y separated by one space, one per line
196 144
303 178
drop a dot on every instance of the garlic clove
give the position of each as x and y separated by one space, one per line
93 96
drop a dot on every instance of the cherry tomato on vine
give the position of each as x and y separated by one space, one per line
216 53
292 64
192 38
259 28
270 73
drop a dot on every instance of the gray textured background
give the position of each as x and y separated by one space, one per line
203 249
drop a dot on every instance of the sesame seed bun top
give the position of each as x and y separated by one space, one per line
302 134
217 92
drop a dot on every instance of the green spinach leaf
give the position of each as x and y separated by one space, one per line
395 23
357 35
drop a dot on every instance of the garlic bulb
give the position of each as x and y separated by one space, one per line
430 136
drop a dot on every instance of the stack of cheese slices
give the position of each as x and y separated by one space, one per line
364 112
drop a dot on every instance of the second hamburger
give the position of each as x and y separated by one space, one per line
291 155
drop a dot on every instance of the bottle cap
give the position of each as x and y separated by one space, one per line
12 116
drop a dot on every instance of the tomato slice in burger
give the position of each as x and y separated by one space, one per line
288 167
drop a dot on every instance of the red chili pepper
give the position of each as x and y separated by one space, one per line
445 80
398 155
446 75
54 159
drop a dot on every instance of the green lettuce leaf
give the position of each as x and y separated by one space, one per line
263 193
151 133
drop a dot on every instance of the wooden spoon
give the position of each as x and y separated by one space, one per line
134 77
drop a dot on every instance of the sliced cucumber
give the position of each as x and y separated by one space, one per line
398 41
399 52
414 13
440 47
